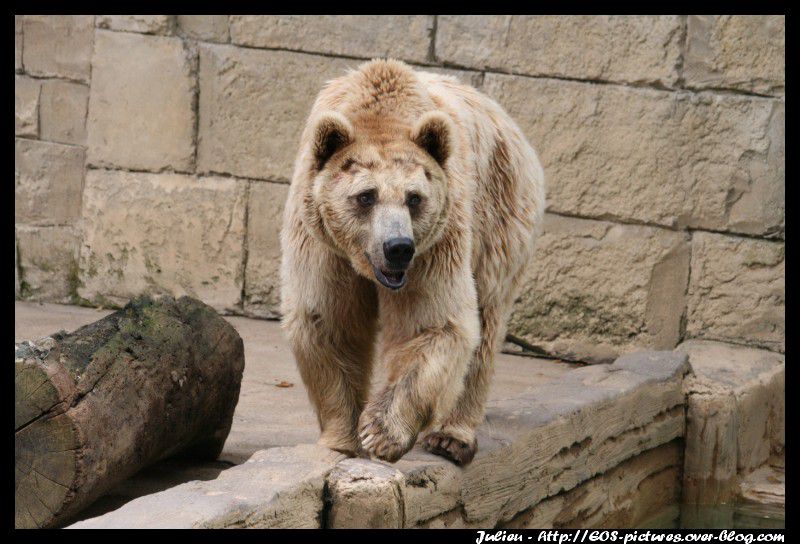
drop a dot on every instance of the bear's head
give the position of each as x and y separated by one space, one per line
378 190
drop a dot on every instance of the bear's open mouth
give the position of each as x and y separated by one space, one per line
392 280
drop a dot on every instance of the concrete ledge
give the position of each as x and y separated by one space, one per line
735 416
625 496
276 488
765 485
533 448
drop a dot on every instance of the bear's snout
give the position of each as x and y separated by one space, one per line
398 252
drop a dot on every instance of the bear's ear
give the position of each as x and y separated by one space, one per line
332 131
434 133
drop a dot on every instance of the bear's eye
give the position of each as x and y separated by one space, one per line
348 164
366 199
413 200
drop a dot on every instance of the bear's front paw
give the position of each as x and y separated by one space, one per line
458 451
379 439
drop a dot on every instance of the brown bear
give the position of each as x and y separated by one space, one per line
411 217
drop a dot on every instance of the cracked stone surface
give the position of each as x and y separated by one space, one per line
735 416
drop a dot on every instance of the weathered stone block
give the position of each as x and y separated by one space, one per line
63 112
253 106
765 486
162 234
17 43
735 417
555 437
611 48
26 106
147 24
262 276
625 496
746 53
597 289
569 430
710 464
365 495
275 488
58 45
737 290
212 28
675 159
604 431
48 180
48 261
428 488
140 105
405 37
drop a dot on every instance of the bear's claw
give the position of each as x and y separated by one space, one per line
443 444
376 440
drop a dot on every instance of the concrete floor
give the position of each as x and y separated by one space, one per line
267 415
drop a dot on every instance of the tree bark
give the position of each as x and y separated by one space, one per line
153 380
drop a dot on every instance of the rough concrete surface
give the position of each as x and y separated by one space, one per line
735 416
570 302
275 488
48 182
49 261
535 445
145 233
737 290
148 24
212 28
765 485
633 491
26 106
403 37
62 112
687 159
627 49
745 53
141 113
58 46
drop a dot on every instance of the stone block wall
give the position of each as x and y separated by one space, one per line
153 154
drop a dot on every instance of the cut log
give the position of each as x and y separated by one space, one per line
156 379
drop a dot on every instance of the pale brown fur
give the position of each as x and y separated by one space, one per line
388 129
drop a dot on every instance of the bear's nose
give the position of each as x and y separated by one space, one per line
398 251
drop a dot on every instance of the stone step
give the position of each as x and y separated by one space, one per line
534 446
765 486
735 416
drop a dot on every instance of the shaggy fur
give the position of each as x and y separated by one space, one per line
444 165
